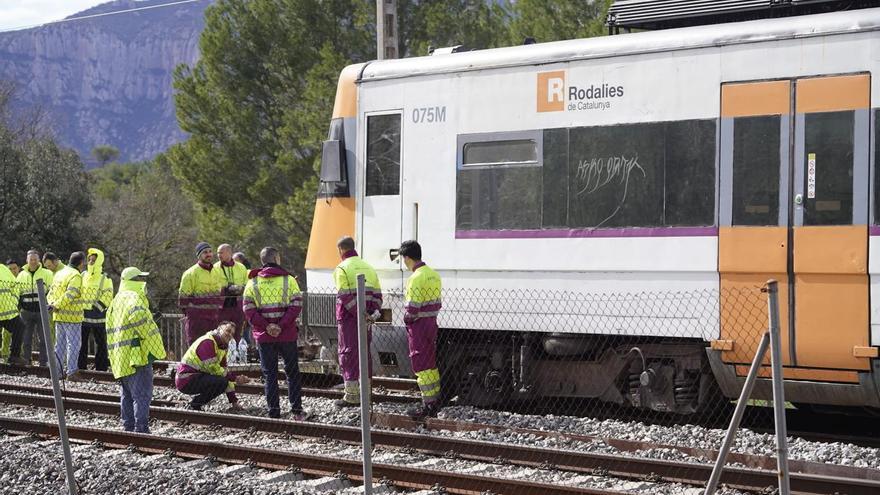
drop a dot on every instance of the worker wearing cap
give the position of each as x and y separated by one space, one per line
422 304
200 295
345 276
133 343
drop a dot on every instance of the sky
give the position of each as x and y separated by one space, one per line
26 13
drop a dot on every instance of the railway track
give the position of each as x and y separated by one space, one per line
166 381
314 379
315 466
806 477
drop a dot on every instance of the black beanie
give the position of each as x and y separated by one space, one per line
201 247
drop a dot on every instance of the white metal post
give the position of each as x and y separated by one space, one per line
54 372
778 389
744 395
364 364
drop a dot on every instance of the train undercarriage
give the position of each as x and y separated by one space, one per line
659 375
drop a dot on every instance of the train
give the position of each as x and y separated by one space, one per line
704 159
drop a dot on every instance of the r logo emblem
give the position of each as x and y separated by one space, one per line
551 91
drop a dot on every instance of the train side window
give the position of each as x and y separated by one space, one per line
383 155
555 179
512 152
616 175
756 170
498 185
689 192
829 141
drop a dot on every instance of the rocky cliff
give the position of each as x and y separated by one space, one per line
107 80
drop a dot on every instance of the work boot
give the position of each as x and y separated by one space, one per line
427 410
342 403
18 361
300 415
75 377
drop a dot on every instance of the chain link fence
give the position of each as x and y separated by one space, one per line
507 360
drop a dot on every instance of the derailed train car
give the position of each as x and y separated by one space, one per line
701 159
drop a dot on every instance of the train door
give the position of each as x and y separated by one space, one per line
380 211
794 207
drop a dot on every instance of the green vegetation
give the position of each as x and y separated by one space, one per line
258 103
44 195
256 106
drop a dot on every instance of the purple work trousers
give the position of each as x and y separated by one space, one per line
195 327
347 331
421 335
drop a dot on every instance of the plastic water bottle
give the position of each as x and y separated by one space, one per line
242 351
232 353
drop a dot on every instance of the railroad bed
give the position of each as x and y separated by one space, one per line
582 455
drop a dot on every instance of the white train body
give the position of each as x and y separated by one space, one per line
615 165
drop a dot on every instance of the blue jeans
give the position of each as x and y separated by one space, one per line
137 392
269 353
67 342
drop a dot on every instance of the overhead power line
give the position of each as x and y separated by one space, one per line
104 14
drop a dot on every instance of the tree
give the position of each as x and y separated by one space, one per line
146 222
104 154
44 194
476 24
243 103
553 20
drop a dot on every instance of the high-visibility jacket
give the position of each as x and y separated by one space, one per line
214 365
272 296
97 291
200 292
65 295
345 277
133 338
422 296
8 294
27 284
236 274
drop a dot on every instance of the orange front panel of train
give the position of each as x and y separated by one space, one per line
748 258
831 294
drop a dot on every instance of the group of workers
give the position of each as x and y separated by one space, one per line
217 299
79 294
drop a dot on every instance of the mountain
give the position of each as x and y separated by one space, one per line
107 79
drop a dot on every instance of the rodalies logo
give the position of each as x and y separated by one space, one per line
555 96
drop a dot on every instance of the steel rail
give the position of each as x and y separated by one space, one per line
74 394
402 475
165 381
253 371
482 451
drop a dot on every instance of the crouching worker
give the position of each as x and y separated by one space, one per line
202 371
133 343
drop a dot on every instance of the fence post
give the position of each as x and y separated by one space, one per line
364 364
56 389
744 395
778 389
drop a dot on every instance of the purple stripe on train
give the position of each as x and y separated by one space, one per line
576 233
874 230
